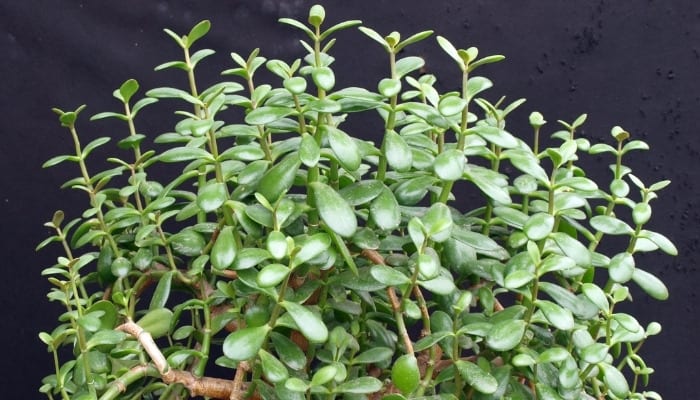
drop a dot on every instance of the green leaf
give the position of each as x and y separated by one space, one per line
362 385
362 192
211 196
611 225
245 343
495 135
594 353
188 243
438 222
407 65
298 25
310 324
596 295
178 154
106 337
156 322
477 378
486 181
272 275
312 247
323 77
388 276
267 114
506 335
172 93
128 89
539 226
559 317
660 240
518 278
334 210
324 375
373 356
59 159
452 52
652 285
309 152
398 154
223 253
476 85
162 292
273 369
528 163
615 380
375 36
405 373
451 105
278 179
449 165
384 210
389 87
197 32
621 267
344 148
441 285
572 248
289 353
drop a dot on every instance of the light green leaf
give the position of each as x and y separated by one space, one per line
389 87
323 77
449 165
156 322
480 380
405 373
388 276
245 343
384 210
495 135
266 115
398 154
451 105
197 32
452 52
428 264
438 222
309 323
539 226
572 248
312 247
621 267
615 380
272 368
272 275
173 93
559 317
596 295
334 210
611 225
289 353
365 384
373 356
652 285
178 154
476 85
407 65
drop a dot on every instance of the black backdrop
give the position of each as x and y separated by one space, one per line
633 63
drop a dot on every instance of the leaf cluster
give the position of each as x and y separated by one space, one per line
314 264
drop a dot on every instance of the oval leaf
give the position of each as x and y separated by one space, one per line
506 335
223 253
245 343
310 324
334 211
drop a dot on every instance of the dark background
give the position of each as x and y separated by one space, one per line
633 63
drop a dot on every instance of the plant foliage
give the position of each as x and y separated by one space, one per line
314 264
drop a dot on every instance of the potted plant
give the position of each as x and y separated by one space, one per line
309 263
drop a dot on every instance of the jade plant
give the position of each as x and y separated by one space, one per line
286 257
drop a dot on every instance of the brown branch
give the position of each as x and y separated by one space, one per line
214 388
237 392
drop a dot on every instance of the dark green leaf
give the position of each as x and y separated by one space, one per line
373 356
223 253
388 276
559 317
290 354
278 179
273 369
344 148
211 196
162 292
